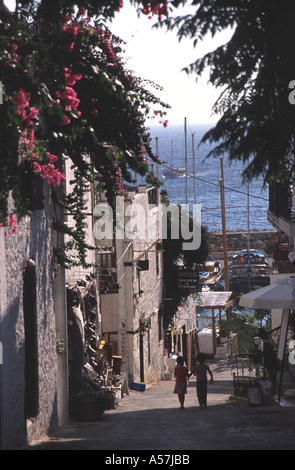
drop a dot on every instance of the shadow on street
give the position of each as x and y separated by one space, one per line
153 421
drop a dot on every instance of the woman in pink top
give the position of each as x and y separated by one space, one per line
181 375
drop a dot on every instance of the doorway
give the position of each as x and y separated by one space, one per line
31 340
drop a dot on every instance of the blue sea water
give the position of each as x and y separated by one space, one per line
171 149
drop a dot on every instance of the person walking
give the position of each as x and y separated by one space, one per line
201 370
181 376
269 357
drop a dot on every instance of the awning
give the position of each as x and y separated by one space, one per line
214 300
281 294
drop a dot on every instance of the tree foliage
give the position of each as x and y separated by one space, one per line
246 323
175 257
67 94
254 69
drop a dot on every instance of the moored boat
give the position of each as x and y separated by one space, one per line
174 172
247 269
210 275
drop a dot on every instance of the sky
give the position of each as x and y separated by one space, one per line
157 55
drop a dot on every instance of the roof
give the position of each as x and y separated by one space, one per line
214 300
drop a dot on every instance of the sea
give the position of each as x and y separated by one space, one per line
204 188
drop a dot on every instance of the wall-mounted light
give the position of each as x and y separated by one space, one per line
144 326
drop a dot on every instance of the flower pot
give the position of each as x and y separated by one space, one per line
88 409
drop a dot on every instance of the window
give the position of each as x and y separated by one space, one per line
32 187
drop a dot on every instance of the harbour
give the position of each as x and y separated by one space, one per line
202 185
237 241
233 212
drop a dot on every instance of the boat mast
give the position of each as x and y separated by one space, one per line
248 232
225 260
157 153
194 169
185 154
248 217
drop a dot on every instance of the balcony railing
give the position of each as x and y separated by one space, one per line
107 269
152 195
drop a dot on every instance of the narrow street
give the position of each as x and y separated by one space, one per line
152 420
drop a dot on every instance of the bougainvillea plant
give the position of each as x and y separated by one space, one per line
67 94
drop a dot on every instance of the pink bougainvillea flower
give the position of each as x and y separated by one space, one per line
51 158
153 8
12 220
70 47
82 11
21 99
27 139
52 174
70 98
72 27
70 77
12 223
37 167
121 4
65 122
28 118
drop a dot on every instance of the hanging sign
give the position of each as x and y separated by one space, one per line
187 278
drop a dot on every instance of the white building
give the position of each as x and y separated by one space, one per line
281 214
131 302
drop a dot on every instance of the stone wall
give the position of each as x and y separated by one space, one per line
237 241
33 240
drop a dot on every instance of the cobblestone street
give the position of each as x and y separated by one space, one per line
152 420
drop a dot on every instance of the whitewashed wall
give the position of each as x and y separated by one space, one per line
147 302
124 313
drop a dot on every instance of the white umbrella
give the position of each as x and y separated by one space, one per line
281 294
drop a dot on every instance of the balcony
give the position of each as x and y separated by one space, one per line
107 268
281 211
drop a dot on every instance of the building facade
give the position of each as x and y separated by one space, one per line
57 324
281 214
36 351
131 306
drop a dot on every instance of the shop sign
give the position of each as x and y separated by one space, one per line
187 278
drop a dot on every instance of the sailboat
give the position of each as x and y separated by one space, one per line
172 172
247 269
